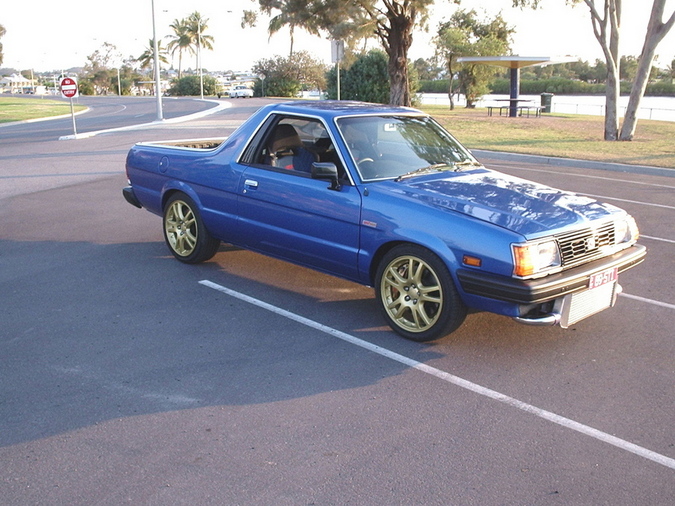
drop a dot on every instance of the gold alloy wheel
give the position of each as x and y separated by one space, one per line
411 293
180 225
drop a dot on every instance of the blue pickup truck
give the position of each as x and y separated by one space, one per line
385 197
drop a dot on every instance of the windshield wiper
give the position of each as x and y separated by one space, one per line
435 167
465 163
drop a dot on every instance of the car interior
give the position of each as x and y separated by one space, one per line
294 144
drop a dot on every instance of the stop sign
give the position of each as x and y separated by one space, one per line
68 87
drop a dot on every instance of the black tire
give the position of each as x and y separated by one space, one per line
416 294
184 231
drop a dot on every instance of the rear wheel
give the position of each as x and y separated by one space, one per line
417 295
185 233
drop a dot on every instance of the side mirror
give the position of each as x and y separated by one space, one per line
328 171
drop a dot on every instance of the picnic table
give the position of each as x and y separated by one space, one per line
527 108
515 63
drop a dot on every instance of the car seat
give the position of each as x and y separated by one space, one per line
286 150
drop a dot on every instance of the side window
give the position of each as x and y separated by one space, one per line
293 144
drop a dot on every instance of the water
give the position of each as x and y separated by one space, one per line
657 108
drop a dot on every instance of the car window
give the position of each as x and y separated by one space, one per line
390 146
294 143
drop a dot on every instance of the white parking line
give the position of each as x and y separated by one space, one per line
455 380
648 301
605 197
588 176
661 239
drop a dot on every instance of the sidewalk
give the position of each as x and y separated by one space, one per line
571 162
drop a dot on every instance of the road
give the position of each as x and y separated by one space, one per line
103 113
127 377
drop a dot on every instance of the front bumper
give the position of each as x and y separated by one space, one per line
538 291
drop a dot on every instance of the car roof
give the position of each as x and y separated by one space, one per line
339 108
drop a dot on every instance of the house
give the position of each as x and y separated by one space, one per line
16 83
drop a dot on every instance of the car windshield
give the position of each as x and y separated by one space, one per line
396 147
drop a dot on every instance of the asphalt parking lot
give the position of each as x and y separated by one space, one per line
127 377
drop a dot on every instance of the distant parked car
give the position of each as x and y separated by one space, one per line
241 91
385 197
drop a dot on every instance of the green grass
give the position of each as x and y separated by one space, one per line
558 135
20 108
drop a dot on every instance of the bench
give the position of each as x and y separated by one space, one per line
522 109
526 110
501 108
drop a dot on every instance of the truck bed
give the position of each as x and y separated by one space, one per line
199 144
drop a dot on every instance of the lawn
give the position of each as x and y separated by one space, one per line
559 135
20 108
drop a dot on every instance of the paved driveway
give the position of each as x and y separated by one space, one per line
127 377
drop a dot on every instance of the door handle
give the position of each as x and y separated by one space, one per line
250 184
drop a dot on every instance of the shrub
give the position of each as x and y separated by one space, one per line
189 86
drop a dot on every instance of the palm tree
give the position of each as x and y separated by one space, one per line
196 26
147 59
294 14
180 41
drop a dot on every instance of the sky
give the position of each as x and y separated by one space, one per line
52 35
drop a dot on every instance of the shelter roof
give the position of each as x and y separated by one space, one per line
515 62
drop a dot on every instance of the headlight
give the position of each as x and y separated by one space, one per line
534 258
626 230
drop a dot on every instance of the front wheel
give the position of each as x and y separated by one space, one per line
417 295
185 233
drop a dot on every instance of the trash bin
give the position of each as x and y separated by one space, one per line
546 102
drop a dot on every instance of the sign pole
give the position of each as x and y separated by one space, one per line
69 90
72 114
337 55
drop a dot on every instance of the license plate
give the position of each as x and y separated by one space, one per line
602 278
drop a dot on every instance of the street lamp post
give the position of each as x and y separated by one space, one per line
199 57
158 84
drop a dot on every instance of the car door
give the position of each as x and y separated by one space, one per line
286 213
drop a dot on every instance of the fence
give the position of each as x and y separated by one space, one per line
656 108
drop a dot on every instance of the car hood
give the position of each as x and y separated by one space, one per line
516 204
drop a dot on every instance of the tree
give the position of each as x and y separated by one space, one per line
656 31
190 86
365 80
427 70
291 13
466 35
180 41
392 22
195 29
2 34
670 71
147 59
98 71
286 76
126 80
606 27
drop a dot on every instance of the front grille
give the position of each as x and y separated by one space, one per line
584 245
584 304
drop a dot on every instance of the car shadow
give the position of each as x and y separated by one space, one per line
94 332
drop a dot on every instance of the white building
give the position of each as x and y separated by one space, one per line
16 83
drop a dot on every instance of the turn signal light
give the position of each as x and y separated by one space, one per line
472 261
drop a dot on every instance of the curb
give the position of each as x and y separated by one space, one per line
221 106
579 164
